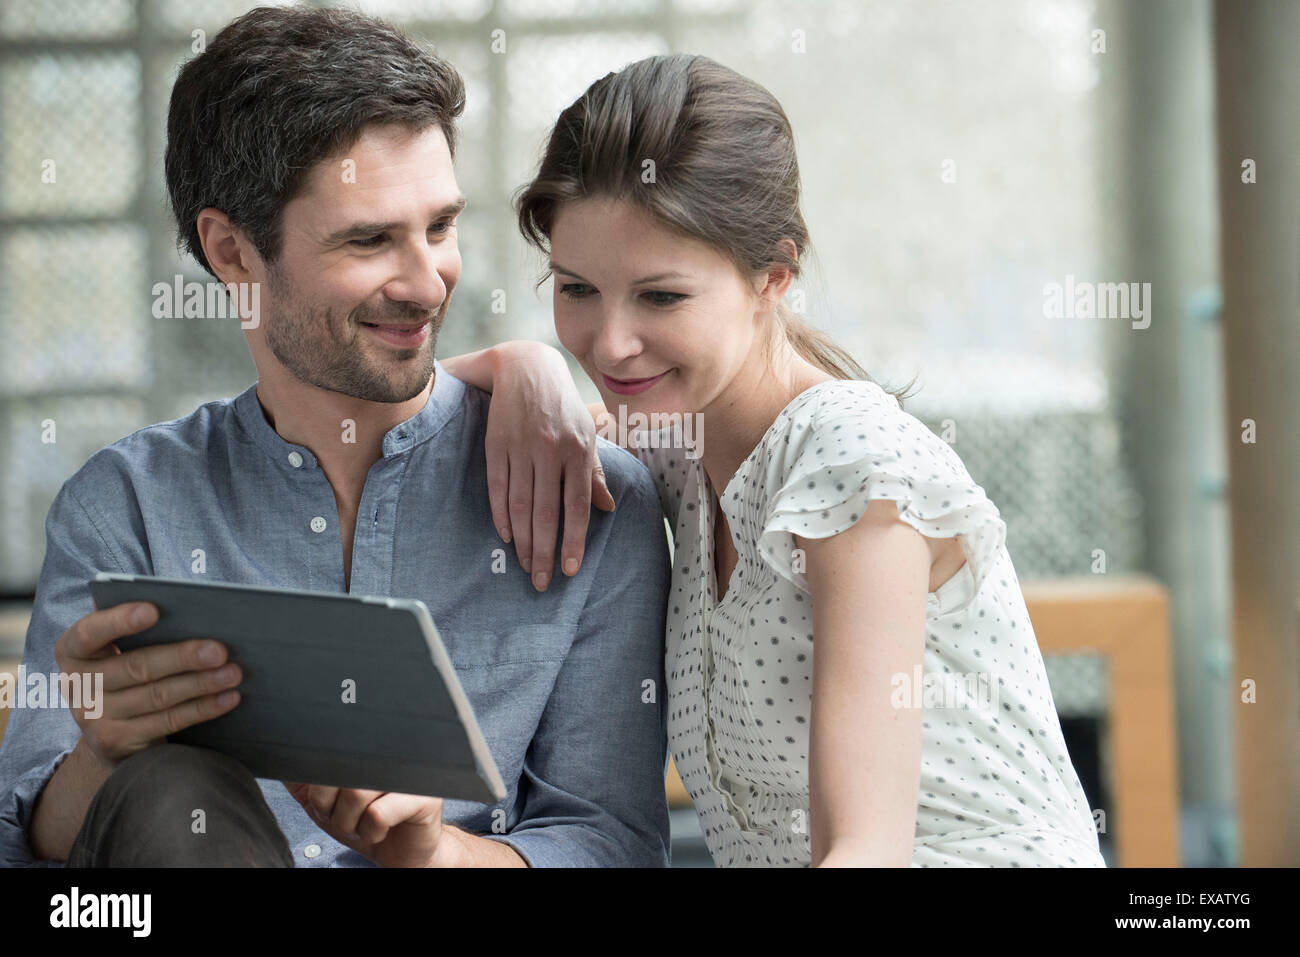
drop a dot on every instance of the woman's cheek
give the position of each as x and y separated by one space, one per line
564 332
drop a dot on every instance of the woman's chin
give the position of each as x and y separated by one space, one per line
644 404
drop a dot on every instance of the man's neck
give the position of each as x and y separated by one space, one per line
345 434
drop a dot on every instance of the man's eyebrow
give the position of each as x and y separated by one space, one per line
367 229
556 267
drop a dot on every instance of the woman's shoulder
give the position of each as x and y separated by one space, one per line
846 443
839 421
837 398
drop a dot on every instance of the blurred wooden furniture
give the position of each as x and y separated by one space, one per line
1125 619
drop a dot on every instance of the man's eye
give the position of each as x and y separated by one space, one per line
575 290
439 229
666 298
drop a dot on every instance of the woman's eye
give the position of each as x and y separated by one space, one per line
666 298
575 290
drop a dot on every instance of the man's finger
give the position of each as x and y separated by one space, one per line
93 634
322 798
159 724
348 808
142 666
392 809
165 693
297 790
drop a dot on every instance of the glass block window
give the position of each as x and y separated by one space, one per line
947 152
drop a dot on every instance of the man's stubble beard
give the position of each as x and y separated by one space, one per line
319 351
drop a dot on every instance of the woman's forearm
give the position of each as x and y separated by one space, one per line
480 368
476 368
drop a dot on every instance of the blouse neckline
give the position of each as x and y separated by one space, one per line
749 459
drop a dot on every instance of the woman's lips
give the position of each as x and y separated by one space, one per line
404 337
631 386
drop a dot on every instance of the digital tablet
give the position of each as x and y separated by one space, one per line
341 690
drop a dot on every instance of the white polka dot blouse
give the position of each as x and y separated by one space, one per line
997 785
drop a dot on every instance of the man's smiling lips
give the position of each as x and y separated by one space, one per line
631 386
404 335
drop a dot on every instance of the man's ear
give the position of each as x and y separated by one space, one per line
229 253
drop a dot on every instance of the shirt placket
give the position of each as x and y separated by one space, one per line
373 544
318 511
704 498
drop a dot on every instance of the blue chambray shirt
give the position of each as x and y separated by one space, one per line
556 679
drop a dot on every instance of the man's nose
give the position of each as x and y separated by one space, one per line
420 280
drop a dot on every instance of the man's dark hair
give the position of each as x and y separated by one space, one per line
278 90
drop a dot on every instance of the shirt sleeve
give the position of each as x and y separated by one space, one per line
592 787
36 740
851 445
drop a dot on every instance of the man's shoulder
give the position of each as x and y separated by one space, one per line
152 449
623 470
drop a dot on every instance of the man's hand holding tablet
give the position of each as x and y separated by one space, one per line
147 694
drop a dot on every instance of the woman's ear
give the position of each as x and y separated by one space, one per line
771 284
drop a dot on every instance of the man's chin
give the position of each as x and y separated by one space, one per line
374 385
395 392
394 376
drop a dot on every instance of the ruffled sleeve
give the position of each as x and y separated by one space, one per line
849 443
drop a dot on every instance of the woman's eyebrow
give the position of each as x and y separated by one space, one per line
556 267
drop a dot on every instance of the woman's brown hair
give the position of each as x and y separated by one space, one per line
706 152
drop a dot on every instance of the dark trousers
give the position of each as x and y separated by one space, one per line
144 815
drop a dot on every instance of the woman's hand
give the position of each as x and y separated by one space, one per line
541 443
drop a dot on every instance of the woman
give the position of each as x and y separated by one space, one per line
818 514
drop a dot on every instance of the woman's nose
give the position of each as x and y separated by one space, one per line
616 341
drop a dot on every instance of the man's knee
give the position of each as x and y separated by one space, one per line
178 802
172 768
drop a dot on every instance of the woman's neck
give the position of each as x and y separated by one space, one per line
736 421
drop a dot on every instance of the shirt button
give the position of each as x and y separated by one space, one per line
318 524
295 459
311 850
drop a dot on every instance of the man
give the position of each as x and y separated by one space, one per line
310 152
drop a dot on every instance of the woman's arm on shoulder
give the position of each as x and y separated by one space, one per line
541 452
479 368
868 586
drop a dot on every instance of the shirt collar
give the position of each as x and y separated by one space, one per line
446 399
